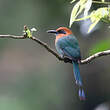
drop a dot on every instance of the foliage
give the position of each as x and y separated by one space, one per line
101 14
28 31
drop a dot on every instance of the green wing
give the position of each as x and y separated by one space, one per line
69 46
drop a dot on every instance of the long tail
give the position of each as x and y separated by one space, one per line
78 80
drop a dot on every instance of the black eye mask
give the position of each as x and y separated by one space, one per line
61 32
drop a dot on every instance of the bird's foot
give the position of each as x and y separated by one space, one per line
79 61
67 60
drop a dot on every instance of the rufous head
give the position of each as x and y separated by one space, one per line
61 31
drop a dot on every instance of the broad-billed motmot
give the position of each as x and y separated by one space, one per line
67 45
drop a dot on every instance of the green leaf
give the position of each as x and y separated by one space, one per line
72 1
87 7
83 1
29 34
103 0
77 9
100 46
84 18
98 15
101 14
73 13
80 9
27 31
93 25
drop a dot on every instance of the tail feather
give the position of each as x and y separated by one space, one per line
78 80
77 74
82 94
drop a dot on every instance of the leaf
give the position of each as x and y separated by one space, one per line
80 9
87 7
77 9
102 14
73 13
72 1
93 16
84 18
100 46
83 1
93 25
98 15
103 0
27 31
29 34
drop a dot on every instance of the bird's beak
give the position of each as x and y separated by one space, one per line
52 31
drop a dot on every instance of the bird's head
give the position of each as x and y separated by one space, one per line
61 32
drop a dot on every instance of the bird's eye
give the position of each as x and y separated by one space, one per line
61 32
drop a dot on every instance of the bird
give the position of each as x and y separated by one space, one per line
67 46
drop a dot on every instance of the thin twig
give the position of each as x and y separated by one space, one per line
13 36
85 61
96 55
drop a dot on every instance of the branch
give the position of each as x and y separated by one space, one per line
13 36
65 59
36 40
96 55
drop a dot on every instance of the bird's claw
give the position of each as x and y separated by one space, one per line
67 60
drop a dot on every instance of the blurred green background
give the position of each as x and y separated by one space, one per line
33 79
